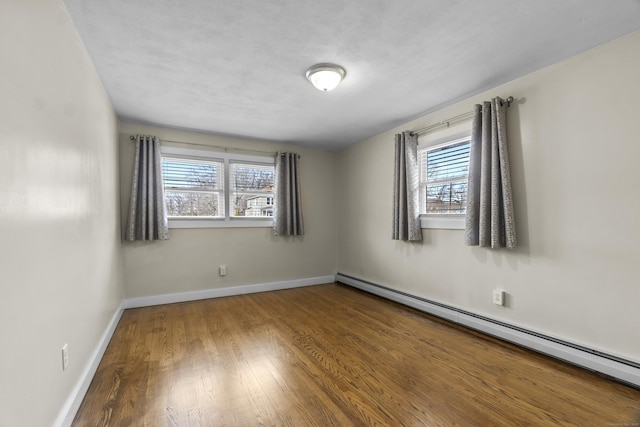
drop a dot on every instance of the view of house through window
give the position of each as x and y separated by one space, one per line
252 189
444 169
197 187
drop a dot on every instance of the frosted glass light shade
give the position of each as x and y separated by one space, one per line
325 77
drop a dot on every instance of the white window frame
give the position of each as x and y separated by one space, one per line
440 220
227 158
266 194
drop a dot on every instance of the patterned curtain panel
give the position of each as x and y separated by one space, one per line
287 215
406 212
490 219
147 215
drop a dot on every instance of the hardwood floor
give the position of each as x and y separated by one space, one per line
332 356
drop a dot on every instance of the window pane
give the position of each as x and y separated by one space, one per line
448 163
252 186
252 177
247 204
183 203
191 174
443 177
448 197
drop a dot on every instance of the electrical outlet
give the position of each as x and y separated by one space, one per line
498 296
65 356
222 270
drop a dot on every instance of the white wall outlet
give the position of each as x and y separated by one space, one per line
498 296
65 356
222 270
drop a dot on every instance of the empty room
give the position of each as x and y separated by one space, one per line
337 213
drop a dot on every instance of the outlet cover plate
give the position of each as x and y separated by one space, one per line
498 296
65 356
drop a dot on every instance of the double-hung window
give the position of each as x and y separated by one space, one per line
444 169
211 189
252 189
193 186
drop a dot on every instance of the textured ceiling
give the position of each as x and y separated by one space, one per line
237 67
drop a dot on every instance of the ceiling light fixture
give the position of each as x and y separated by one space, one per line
325 77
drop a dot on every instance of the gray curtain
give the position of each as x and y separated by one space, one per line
406 212
147 215
490 219
287 215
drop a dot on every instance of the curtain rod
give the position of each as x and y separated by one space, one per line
219 147
446 122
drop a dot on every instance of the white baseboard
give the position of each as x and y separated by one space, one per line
224 292
72 404
626 371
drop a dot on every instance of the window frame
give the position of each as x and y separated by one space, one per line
192 159
447 221
269 195
227 158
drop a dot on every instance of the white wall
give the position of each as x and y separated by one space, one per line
60 256
574 152
189 260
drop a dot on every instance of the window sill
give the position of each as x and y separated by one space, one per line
443 221
246 222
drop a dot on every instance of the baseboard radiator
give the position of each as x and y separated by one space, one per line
620 369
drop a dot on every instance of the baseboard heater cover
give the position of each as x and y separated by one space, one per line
623 370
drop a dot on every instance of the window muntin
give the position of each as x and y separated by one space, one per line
193 187
444 169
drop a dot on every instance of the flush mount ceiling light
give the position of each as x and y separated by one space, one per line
325 77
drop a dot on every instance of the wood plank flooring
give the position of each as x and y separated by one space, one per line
332 356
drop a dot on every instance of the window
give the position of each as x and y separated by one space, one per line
193 187
444 169
209 189
252 189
